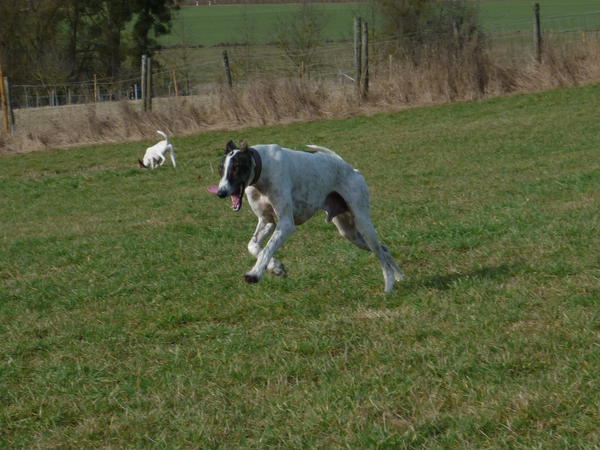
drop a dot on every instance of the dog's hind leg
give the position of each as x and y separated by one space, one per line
391 271
264 229
172 155
346 225
357 227
347 228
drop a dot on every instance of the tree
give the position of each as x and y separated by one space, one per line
28 36
416 23
153 18
54 40
300 34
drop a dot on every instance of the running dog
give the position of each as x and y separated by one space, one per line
155 155
287 187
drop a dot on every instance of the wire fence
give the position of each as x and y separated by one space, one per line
186 71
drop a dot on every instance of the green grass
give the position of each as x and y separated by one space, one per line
124 320
512 15
254 23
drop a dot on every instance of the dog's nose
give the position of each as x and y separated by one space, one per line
221 193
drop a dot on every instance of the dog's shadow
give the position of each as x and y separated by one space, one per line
446 282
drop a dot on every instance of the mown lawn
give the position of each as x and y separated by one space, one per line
124 320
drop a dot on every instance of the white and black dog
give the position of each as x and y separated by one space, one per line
155 155
286 187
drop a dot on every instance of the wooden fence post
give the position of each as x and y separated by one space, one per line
175 83
365 60
357 54
4 104
143 82
227 69
149 84
9 109
537 32
95 88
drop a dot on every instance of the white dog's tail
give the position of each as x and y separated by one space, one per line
169 146
324 150
163 134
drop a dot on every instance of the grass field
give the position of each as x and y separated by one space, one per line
511 15
254 23
124 320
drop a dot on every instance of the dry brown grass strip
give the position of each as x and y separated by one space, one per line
437 77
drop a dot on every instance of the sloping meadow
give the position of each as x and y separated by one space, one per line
125 320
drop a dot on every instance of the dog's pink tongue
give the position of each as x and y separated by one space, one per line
213 189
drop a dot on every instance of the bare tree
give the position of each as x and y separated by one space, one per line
300 34
425 23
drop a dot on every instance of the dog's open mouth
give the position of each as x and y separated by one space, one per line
236 197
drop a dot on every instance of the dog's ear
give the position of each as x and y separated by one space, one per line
230 146
243 146
141 164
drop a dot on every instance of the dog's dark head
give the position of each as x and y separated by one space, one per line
235 169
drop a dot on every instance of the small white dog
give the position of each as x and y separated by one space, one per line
155 155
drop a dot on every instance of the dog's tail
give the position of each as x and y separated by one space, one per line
323 150
171 149
163 134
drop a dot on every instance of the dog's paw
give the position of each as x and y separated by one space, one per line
249 278
276 268
280 272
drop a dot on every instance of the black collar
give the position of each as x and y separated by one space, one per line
257 165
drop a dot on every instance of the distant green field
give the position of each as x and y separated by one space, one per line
125 323
212 25
254 24
510 15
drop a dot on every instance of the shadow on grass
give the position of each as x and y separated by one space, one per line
445 282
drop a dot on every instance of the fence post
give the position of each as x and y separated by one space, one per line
227 69
143 83
537 32
149 83
175 83
357 53
95 88
365 60
4 104
9 109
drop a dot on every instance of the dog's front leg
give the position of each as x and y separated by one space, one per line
264 229
282 231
